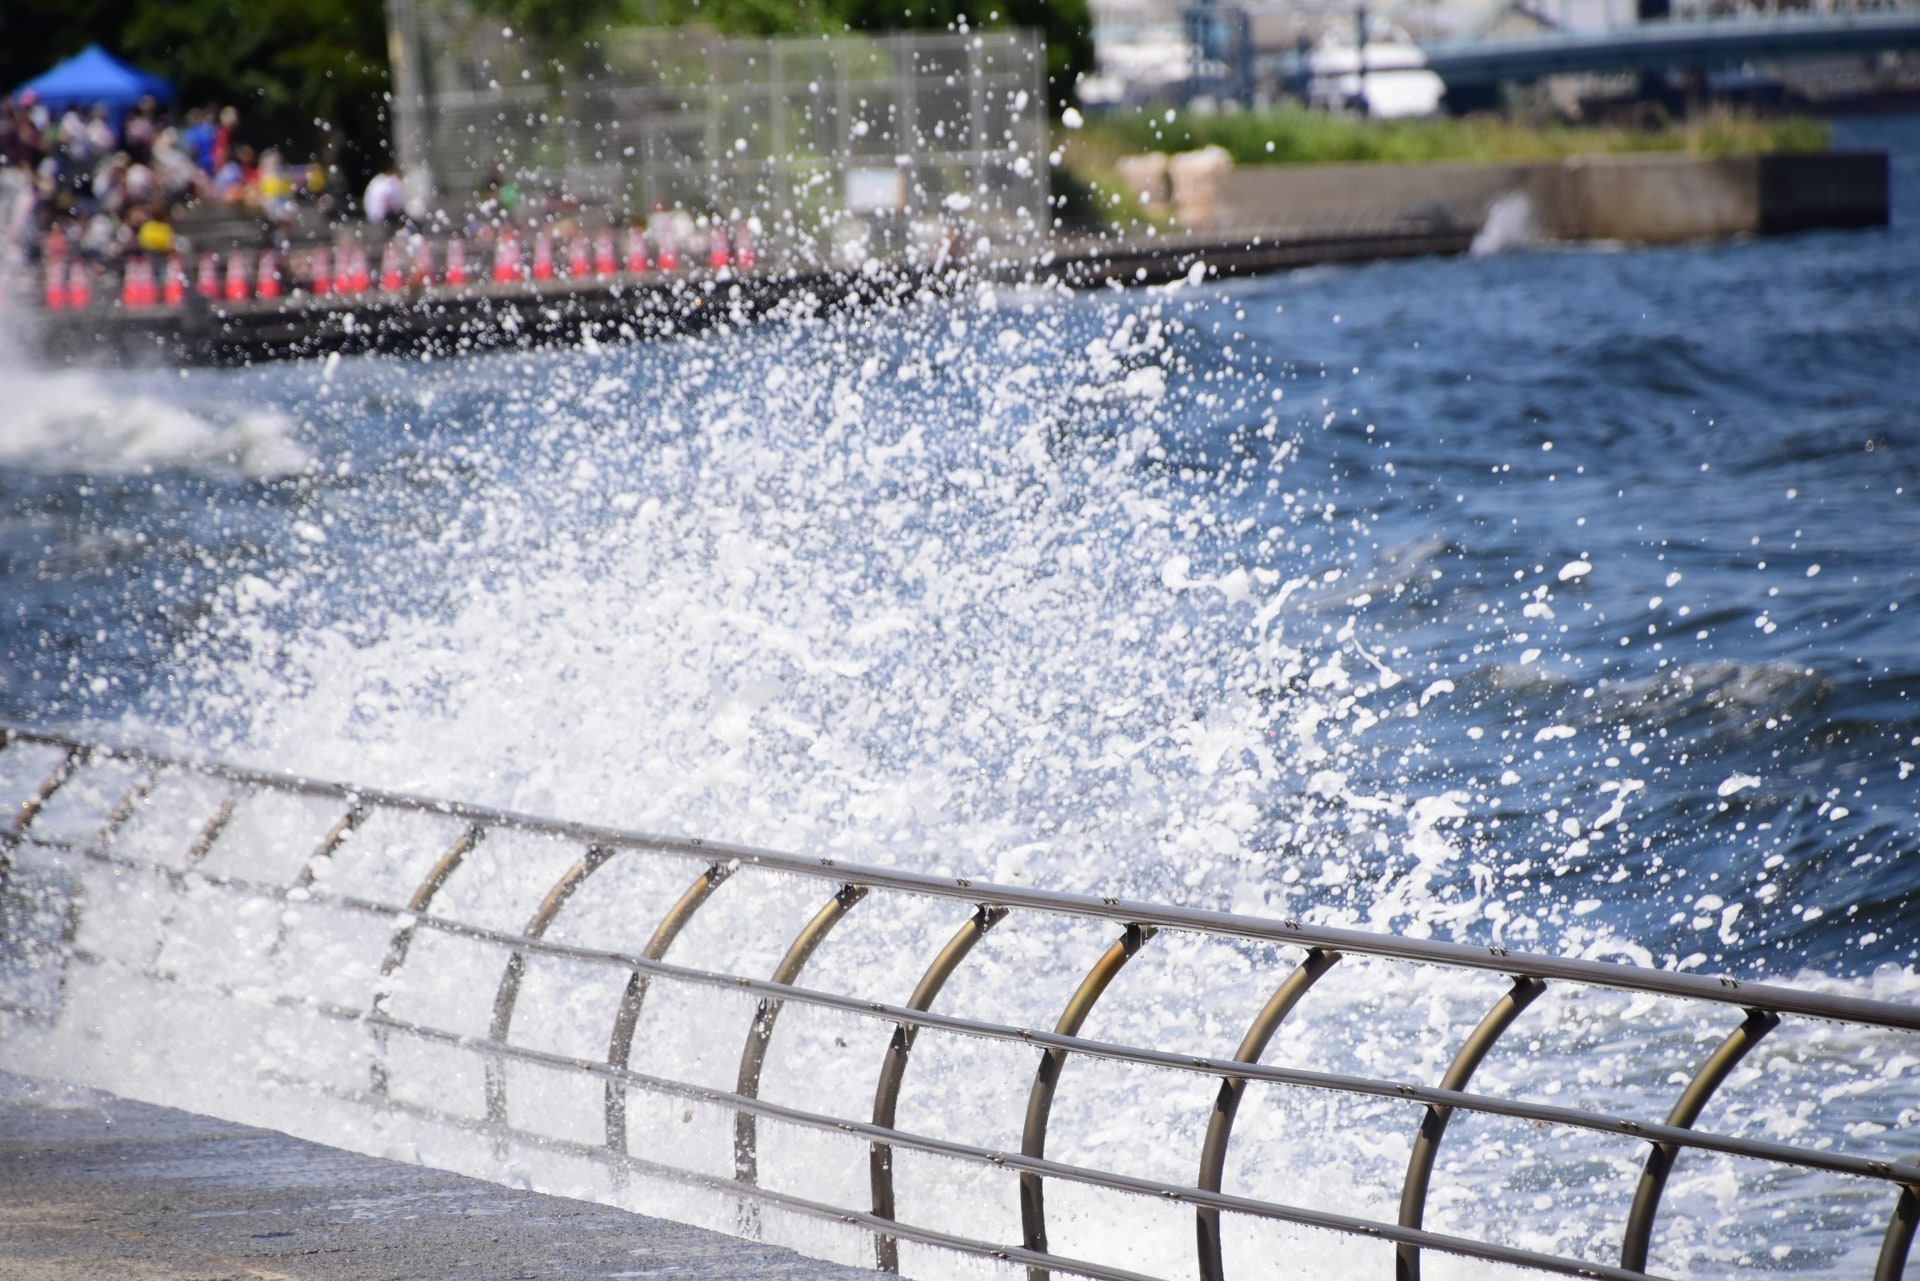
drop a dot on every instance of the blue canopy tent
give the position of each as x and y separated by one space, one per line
95 76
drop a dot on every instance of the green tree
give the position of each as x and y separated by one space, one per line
312 73
307 74
1066 24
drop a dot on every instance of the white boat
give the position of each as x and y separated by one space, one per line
1386 77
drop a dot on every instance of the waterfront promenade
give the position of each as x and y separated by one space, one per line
96 1186
437 295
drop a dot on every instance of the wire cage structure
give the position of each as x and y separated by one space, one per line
888 136
112 853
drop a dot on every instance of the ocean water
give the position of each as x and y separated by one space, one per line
1561 598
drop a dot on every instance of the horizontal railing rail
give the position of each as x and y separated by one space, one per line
1762 1007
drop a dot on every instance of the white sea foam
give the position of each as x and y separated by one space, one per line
84 420
909 592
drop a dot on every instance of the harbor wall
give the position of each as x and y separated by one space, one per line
1649 199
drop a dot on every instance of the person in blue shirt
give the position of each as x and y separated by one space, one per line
199 139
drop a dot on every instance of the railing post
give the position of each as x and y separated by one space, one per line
1213 1155
31 807
1899 1239
620 1043
753 1057
1433 1127
886 1095
1033 1137
507 995
1686 1110
402 941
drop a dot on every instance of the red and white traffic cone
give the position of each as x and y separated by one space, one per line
636 252
268 285
136 284
744 255
391 279
718 255
320 272
357 278
175 292
79 286
669 255
237 276
456 261
506 258
208 283
420 273
603 263
543 255
577 265
57 296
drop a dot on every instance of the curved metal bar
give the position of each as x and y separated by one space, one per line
886 1095
329 845
1033 1136
1686 1110
1433 1127
620 1044
56 779
31 807
1899 1238
122 811
402 939
507 995
196 854
746 1134
1213 1154
203 843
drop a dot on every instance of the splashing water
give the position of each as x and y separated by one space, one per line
1139 595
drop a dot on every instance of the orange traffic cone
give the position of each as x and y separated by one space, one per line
636 252
236 276
456 261
208 284
57 296
603 264
320 272
506 258
543 255
79 287
390 279
269 275
175 293
136 283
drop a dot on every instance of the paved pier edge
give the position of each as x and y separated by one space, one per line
93 1186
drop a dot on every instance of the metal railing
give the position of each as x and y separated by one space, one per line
1760 1007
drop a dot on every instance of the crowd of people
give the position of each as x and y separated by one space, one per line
104 186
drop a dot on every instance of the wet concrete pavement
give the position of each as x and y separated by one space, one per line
98 1188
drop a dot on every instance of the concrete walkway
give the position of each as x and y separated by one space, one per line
95 1187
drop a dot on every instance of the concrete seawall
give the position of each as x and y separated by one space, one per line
1648 199
1264 219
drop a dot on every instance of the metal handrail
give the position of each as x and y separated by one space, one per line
1720 990
1763 1006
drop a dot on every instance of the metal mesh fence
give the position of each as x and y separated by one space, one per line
854 144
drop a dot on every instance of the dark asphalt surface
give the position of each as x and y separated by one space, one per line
98 1188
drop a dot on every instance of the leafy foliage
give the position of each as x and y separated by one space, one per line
306 73
1294 135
